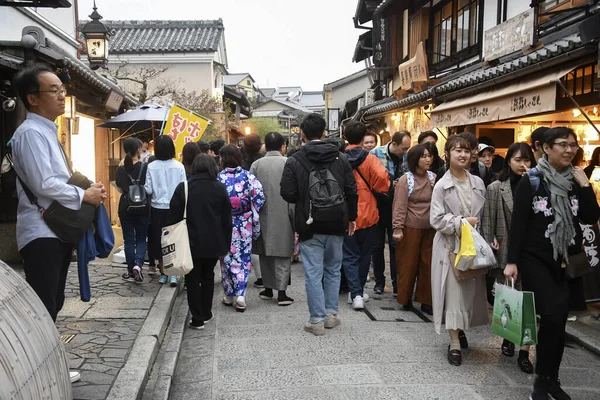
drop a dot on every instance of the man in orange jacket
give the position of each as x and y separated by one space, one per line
371 179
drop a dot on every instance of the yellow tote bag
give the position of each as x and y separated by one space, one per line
466 253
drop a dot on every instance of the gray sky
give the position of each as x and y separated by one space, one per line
280 42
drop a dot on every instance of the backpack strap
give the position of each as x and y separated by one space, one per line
304 161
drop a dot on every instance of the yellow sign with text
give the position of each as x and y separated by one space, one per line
184 126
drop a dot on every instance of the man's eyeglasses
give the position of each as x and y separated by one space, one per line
55 92
565 145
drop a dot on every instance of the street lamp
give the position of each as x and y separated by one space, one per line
96 40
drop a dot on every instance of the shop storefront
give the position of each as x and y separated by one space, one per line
91 98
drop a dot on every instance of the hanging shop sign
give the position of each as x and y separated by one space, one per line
184 126
522 98
381 42
414 70
510 36
114 100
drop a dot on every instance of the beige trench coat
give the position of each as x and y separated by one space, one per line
276 233
445 218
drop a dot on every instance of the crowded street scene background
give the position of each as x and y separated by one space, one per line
452 170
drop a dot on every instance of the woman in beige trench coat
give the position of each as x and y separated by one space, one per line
457 304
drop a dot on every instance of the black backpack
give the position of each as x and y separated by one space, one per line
326 199
137 200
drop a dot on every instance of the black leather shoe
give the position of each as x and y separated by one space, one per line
464 344
426 309
525 365
454 357
406 307
545 387
508 348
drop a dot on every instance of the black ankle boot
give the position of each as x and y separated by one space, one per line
508 348
545 386
283 299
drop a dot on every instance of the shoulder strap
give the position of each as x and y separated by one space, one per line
141 171
304 161
363 178
185 191
410 182
30 195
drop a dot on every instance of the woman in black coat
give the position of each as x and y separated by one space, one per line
550 202
209 227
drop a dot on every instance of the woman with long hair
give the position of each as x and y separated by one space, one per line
412 230
458 195
133 224
437 165
209 229
163 176
247 198
549 205
496 222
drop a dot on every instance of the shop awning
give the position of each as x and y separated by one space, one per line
525 97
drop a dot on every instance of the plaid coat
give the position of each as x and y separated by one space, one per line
496 218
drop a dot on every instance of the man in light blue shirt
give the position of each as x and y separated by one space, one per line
42 165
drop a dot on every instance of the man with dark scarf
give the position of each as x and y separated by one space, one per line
371 177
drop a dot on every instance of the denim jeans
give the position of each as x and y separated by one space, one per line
358 249
384 227
322 257
135 228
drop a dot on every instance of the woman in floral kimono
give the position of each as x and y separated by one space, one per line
247 198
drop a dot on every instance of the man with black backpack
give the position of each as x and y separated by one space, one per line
319 180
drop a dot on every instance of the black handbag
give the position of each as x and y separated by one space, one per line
67 224
578 266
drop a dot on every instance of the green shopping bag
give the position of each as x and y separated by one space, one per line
514 315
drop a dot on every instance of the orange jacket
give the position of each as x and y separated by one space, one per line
376 175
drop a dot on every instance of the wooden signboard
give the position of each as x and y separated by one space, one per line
510 36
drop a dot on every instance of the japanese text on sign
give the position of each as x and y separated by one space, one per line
476 112
519 103
184 126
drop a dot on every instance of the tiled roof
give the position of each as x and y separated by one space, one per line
165 36
481 78
234 79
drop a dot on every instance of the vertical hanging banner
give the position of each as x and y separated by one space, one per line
184 126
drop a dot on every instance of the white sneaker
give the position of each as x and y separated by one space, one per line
364 296
358 303
75 376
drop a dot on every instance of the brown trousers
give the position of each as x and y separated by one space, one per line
413 261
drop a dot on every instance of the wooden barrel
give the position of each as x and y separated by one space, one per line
33 361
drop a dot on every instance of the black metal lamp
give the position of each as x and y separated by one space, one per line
96 40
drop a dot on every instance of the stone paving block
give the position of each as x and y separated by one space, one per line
75 308
569 377
257 361
115 313
114 353
409 392
423 374
193 370
96 378
503 393
349 375
191 390
90 392
266 379
321 393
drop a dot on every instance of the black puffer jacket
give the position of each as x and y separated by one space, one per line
294 188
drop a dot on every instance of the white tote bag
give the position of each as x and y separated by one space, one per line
485 255
175 243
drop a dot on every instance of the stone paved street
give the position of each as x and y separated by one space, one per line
382 353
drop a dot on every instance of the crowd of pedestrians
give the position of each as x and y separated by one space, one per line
340 205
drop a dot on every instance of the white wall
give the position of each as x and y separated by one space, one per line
58 25
341 94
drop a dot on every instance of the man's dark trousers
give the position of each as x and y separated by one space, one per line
46 263
384 227
358 249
